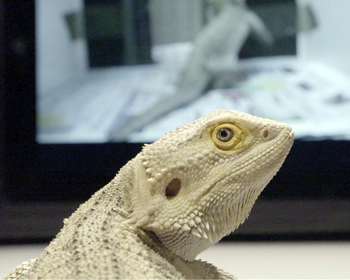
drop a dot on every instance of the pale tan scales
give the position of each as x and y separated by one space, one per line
176 198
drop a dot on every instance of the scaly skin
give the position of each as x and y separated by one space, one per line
176 198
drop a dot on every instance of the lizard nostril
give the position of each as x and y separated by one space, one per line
268 134
265 133
173 188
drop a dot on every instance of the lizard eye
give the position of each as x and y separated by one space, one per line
226 136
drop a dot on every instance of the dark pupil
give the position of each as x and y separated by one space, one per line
223 133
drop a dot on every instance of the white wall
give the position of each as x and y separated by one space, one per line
330 42
58 57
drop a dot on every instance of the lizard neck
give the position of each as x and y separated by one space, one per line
117 193
113 200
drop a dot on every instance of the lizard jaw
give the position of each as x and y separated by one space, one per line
254 163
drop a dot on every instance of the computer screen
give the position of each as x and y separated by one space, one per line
87 82
130 71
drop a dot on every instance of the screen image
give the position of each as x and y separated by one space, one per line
130 71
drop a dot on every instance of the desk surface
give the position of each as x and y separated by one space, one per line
246 260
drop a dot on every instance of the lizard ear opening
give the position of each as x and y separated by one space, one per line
173 188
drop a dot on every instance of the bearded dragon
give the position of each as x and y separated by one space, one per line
176 198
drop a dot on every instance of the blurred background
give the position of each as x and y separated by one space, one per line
83 47
84 82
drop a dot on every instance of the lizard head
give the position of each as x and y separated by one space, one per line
199 182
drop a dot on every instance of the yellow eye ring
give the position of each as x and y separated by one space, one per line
226 136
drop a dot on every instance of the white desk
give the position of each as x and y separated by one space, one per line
246 260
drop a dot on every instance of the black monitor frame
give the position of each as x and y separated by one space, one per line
42 184
39 166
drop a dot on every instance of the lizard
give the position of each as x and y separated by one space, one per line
176 198
215 49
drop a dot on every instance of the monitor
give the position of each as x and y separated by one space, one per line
82 84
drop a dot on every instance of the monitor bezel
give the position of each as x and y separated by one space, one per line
37 177
43 164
